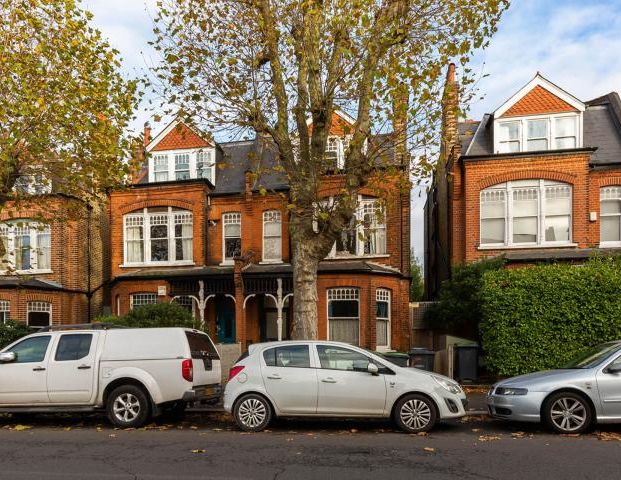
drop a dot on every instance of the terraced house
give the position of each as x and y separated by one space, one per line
205 225
538 179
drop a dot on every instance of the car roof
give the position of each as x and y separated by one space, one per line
261 346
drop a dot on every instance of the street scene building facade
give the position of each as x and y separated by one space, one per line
205 224
538 179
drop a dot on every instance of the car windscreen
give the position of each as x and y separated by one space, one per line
201 346
592 356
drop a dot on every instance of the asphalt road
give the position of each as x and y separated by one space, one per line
207 446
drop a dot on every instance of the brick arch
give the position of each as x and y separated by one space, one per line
609 181
526 175
185 204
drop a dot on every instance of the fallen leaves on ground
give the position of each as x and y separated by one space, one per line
608 436
198 450
489 438
477 389
429 449
20 428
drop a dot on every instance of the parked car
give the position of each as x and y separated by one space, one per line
132 373
332 379
570 399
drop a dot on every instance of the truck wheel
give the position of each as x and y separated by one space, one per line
252 413
415 413
128 407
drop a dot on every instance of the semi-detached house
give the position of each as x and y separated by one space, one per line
205 225
538 179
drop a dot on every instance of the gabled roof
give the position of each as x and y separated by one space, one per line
542 95
177 136
341 121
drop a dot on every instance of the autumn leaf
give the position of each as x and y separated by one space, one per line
429 449
198 450
20 428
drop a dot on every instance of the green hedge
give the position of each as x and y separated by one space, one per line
156 315
540 317
11 331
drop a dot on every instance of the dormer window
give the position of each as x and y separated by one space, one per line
566 132
509 137
535 134
205 166
182 166
160 168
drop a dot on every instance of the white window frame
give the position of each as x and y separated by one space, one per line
275 217
178 156
161 160
9 229
523 136
384 295
5 311
342 293
209 162
338 145
193 154
37 306
142 296
509 188
172 217
32 184
230 218
612 192
364 204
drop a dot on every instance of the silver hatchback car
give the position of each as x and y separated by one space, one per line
570 399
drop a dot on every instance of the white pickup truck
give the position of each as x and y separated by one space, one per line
132 373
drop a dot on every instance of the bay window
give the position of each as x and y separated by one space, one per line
525 213
382 317
231 232
26 246
158 235
272 236
610 215
344 315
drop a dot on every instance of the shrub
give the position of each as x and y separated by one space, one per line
459 302
540 317
11 331
156 315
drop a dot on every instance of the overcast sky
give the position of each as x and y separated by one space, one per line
574 43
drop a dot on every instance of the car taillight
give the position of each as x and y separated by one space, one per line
234 371
187 370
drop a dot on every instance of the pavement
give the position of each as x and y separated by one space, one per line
207 445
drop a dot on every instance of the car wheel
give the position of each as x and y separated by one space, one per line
415 413
252 413
128 407
567 412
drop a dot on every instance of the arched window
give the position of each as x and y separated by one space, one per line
526 212
382 317
158 235
344 315
610 216
39 314
272 236
27 246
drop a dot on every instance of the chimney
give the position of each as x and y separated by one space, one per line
248 184
147 133
450 112
400 106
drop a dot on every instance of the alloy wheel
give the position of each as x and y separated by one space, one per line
415 414
568 414
126 407
252 412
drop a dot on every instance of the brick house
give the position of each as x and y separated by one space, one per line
538 179
52 270
205 224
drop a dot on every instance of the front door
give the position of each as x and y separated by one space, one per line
225 321
71 369
289 379
345 385
609 386
24 381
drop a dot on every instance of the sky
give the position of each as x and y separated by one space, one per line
574 43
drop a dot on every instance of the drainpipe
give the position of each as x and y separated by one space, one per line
89 293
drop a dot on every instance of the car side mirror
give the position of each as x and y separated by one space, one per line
616 368
372 369
8 357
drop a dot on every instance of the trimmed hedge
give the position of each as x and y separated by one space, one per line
540 317
11 331
153 316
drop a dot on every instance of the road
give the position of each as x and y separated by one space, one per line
207 446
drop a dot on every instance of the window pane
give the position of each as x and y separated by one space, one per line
339 358
557 228
541 144
382 310
509 130
31 350
558 200
232 247
381 333
537 128
610 207
161 176
232 230
343 308
22 248
525 230
493 230
525 202
566 142
272 248
565 127
43 251
509 147
73 347
610 229
39 319
493 204
292 356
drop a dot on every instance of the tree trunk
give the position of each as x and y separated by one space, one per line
305 264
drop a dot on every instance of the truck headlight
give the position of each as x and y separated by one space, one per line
447 384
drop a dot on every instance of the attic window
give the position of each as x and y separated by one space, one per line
540 133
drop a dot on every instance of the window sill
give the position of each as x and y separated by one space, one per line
527 247
271 262
358 257
157 264
227 263
26 272
610 245
383 349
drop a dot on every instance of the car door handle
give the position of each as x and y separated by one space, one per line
328 380
84 367
274 376
38 369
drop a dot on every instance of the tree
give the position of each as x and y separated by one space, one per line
268 66
416 284
65 108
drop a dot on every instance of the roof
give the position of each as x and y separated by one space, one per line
178 135
34 283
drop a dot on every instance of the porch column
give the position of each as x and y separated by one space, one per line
280 305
